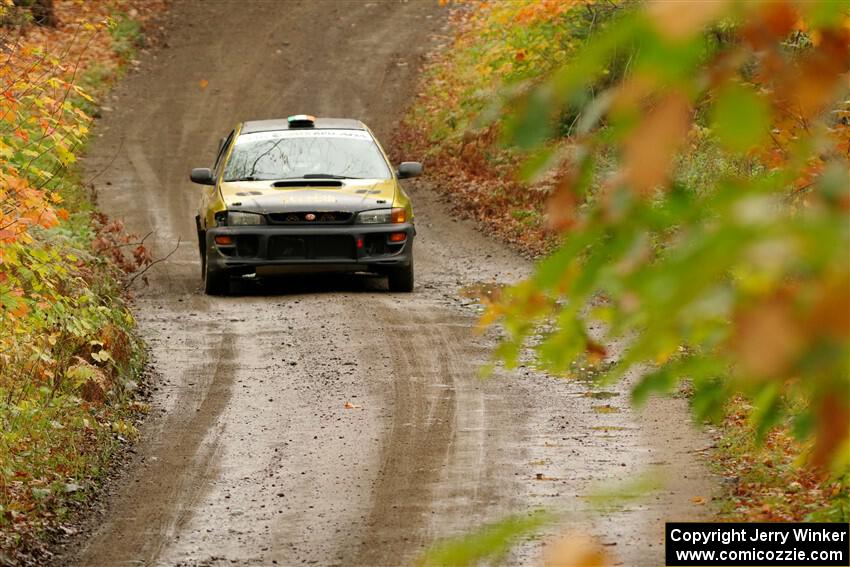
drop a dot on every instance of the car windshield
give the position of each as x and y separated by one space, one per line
297 154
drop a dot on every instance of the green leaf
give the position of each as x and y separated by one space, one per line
825 13
537 164
766 409
672 61
531 125
708 398
660 381
740 118
489 542
803 425
612 494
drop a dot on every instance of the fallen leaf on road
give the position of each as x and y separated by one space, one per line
541 476
698 500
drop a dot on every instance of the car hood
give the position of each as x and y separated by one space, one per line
349 195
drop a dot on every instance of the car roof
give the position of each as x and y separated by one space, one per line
319 124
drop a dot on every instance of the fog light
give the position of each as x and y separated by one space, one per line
398 237
224 240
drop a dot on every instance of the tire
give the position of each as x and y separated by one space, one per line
215 282
401 279
202 246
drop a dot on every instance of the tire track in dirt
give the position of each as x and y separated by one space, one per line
192 452
415 447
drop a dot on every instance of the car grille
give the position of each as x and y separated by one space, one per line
320 217
313 247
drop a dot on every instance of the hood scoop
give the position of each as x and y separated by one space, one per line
308 183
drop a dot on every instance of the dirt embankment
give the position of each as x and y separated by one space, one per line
253 457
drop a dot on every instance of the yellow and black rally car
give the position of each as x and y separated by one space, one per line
300 195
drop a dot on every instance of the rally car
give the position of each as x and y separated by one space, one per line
304 195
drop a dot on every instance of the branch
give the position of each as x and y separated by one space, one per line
127 285
107 166
139 243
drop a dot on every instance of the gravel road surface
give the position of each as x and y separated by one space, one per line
251 456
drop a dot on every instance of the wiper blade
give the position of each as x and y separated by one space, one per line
327 176
247 178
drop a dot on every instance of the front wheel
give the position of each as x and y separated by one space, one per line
401 279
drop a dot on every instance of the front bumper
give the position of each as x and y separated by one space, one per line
269 249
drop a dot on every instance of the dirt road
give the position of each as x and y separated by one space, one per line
251 457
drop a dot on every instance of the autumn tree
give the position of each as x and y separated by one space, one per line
738 287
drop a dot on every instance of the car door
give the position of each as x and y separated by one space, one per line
209 195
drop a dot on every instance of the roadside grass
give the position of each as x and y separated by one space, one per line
96 80
70 360
455 126
764 482
127 36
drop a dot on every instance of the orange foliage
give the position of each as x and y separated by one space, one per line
544 10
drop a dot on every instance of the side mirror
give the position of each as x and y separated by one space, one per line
202 175
408 169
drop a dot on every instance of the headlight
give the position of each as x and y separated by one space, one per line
235 218
382 216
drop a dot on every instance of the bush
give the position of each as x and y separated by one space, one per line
69 355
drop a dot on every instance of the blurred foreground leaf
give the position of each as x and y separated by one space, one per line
489 542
